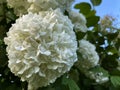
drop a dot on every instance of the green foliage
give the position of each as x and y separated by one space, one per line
100 70
70 83
86 9
115 80
92 20
80 35
96 2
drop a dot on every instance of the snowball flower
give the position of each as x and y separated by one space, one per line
41 47
20 6
78 20
23 6
88 57
39 5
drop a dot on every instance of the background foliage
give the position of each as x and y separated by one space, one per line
104 37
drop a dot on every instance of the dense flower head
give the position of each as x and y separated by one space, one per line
78 20
41 47
88 57
38 5
24 6
20 6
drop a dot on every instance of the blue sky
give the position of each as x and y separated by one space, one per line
107 7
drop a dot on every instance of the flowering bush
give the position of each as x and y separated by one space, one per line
88 59
78 20
48 47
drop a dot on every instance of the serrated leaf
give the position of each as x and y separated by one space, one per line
84 7
115 80
70 83
96 2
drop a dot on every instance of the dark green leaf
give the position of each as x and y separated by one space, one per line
109 62
13 87
70 83
80 35
115 80
112 36
101 40
91 13
96 2
112 50
92 21
84 7
115 72
1 42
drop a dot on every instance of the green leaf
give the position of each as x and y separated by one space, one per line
112 36
115 80
91 13
13 87
96 2
1 42
92 21
111 49
84 7
80 35
1 10
115 72
74 75
10 16
110 63
70 83
100 70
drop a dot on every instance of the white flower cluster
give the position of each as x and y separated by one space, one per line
20 6
98 77
38 5
88 57
23 6
41 47
42 44
78 20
